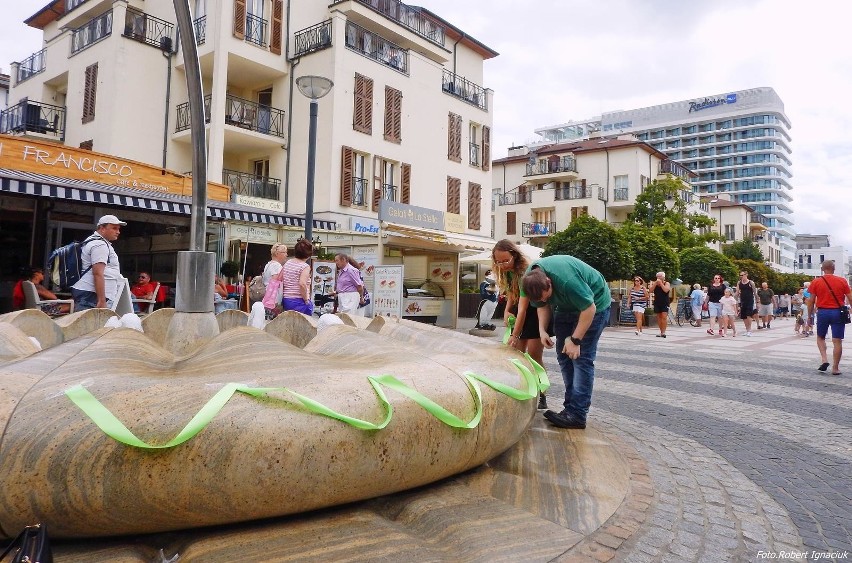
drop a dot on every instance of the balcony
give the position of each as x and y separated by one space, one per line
758 220
312 39
256 30
407 16
247 184
34 119
572 192
200 26
32 65
147 29
516 198
553 168
465 90
620 194
672 167
241 113
389 192
375 47
538 229
91 32
359 189
474 154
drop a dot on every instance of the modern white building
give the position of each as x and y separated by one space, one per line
405 129
737 143
736 222
813 250
537 193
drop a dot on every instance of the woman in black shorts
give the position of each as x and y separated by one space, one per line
510 265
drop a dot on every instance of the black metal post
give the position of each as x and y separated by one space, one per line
312 157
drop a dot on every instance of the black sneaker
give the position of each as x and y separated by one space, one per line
563 420
542 402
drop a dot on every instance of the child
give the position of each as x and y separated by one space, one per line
729 313
800 321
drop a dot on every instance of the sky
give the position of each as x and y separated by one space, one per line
563 60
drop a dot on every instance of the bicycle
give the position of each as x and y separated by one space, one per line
684 313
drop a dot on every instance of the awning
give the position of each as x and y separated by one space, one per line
41 185
531 252
465 242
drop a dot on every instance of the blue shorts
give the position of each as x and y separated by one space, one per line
830 317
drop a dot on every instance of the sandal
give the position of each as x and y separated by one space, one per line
710 331
823 367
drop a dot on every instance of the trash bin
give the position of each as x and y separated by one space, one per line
614 309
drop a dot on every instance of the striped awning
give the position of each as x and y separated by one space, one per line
41 185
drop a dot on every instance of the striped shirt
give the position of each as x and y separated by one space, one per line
637 297
292 270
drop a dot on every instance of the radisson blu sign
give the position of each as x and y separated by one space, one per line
712 102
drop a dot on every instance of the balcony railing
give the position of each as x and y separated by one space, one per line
538 229
359 189
620 194
30 66
256 30
389 192
564 164
572 192
474 154
759 219
147 29
311 39
244 183
516 198
464 89
200 30
240 113
33 117
91 32
407 16
672 167
375 47
71 4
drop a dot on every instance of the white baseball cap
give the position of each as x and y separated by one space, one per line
110 220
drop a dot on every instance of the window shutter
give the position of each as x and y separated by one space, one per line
453 195
393 115
363 114
240 19
474 206
90 93
511 227
405 191
377 182
346 176
277 18
454 137
486 148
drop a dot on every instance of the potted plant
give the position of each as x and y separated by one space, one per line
229 269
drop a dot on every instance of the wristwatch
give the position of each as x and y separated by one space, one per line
575 341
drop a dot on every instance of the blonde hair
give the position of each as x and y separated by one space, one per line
276 248
519 267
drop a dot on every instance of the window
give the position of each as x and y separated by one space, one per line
486 148
393 115
453 195
620 191
90 93
729 232
511 223
353 178
474 206
454 137
578 211
384 181
363 114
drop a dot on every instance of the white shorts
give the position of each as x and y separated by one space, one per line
638 308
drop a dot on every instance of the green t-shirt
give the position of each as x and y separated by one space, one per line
576 285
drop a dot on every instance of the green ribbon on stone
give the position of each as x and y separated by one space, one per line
535 380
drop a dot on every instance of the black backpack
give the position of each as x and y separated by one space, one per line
64 265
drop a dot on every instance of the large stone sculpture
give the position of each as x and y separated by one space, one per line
260 456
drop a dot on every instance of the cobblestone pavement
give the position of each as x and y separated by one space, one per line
748 447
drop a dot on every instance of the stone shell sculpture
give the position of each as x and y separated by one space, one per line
259 456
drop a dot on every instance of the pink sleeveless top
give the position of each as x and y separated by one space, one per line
292 271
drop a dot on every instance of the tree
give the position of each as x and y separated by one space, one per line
595 243
651 253
661 207
699 264
743 250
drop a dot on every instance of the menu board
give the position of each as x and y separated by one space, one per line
322 281
441 271
387 291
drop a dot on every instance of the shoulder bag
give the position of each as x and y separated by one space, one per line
844 310
272 296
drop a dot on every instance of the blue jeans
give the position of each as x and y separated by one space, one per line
86 300
579 374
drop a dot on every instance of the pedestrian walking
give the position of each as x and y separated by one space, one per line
696 302
637 301
766 305
662 300
715 292
349 287
729 313
102 281
746 291
828 293
808 312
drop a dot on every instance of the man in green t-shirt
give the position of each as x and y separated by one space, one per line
578 298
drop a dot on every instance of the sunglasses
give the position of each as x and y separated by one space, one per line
503 262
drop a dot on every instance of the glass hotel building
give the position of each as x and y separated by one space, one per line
738 143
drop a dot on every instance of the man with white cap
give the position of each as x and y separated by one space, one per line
100 282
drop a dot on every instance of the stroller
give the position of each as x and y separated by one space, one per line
485 310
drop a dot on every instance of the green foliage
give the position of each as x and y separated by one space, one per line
595 243
779 282
651 254
744 250
699 264
229 269
661 207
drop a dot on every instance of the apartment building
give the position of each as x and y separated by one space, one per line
540 191
738 143
813 249
403 134
736 222
4 91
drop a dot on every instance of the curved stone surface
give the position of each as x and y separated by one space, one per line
14 343
84 322
35 323
231 318
258 457
293 328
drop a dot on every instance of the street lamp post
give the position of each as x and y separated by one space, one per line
314 88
